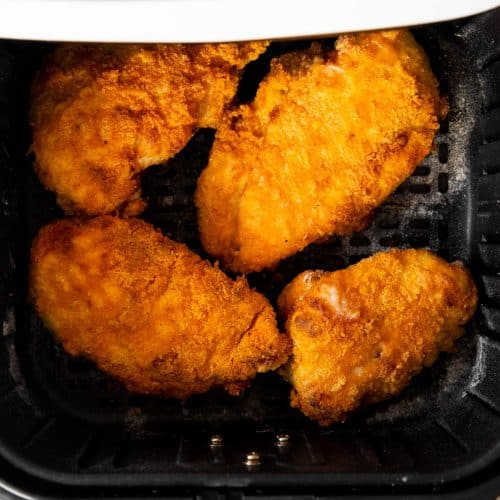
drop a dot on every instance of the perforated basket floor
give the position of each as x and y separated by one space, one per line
66 422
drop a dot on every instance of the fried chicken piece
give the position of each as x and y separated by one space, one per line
103 113
328 137
149 311
360 334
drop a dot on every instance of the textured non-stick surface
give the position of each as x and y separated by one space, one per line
62 414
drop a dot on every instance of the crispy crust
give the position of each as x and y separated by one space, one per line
148 310
327 139
360 334
103 113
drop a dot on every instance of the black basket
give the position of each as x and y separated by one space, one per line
65 424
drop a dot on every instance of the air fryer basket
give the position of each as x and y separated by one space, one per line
65 422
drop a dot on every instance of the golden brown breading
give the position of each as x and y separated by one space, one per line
327 139
149 311
102 113
361 333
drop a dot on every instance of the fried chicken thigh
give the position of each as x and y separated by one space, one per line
328 137
360 334
102 113
149 311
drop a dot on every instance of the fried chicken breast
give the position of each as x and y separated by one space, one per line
102 113
360 334
149 311
328 137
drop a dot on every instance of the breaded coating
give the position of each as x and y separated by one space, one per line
103 113
360 334
149 311
328 137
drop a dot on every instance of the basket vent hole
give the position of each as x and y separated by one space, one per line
421 171
169 173
334 241
418 241
354 259
358 240
419 189
442 230
166 190
334 262
443 253
444 126
388 222
420 224
443 152
393 240
443 182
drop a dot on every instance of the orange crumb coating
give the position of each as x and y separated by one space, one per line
149 311
102 113
361 333
328 138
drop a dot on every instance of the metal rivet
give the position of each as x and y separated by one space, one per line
216 440
282 439
252 459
